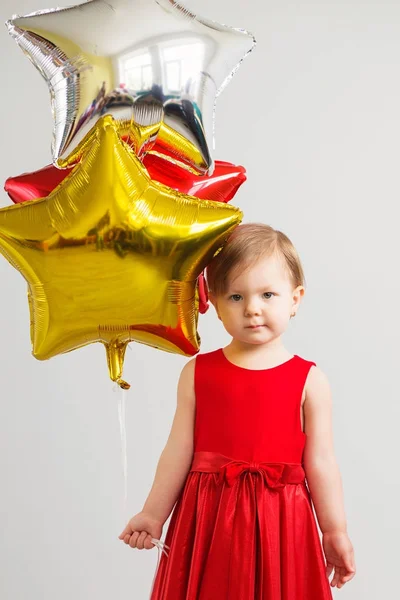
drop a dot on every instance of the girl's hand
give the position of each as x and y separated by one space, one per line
339 555
139 531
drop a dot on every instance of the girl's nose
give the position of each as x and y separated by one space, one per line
252 309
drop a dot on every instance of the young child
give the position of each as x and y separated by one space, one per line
250 446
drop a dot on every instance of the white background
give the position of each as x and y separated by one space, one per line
313 114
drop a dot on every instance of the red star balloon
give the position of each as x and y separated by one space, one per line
222 185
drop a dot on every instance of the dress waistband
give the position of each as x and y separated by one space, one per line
276 475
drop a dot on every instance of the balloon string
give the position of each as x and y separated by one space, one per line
122 394
161 548
122 429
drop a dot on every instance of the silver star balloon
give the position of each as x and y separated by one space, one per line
152 65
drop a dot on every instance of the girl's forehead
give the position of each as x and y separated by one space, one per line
265 271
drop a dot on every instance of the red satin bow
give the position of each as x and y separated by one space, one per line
271 473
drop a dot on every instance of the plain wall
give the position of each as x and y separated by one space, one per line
313 114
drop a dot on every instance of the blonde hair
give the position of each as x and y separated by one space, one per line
244 247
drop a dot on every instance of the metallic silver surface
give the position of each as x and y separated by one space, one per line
151 64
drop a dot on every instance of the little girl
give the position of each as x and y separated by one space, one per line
250 446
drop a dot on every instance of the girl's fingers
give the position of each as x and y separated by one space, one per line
335 577
349 565
342 574
148 544
134 538
348 571
141 539
137 539
347 577
341 577
329 569
126 531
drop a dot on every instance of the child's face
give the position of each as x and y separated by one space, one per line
258 303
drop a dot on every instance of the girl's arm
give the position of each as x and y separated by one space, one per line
176 458
324 480
322 471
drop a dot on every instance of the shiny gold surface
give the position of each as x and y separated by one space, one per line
112 256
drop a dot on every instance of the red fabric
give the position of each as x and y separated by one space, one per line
275 475
243 527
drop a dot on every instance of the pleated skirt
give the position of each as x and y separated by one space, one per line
242 531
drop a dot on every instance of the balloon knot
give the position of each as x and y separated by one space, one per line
123 384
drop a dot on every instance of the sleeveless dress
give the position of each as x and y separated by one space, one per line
243 527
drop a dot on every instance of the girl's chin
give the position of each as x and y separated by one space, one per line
256 338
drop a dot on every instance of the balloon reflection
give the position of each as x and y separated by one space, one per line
152 65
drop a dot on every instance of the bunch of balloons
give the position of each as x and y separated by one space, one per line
113 237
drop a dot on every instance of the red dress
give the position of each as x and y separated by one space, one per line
243 527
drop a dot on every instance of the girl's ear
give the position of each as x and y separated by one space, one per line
298 293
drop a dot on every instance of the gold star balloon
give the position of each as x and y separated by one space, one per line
112 256
153 65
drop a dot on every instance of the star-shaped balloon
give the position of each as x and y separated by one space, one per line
151 64
112 256
222 185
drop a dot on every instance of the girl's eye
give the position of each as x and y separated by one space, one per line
235 297
266 294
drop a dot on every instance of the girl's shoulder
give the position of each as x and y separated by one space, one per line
205 362
204 357
306 361
307 367
209 353
317 387
201 359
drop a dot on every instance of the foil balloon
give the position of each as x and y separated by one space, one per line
153 65
222 185
112 256
30 186
203 294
